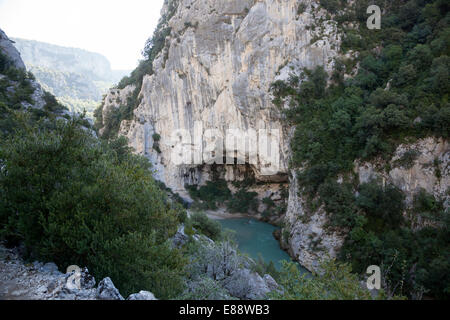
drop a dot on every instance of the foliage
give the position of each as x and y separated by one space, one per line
399 94
263 268
210 228
217 260
216 193
205 288
153 47
335 282
74 200
243 201
213 193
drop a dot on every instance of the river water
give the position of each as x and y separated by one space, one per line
255 237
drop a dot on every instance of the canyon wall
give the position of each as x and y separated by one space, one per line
308 239
216 69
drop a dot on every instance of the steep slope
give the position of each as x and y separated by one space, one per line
18 88
78 78
217 72
363 139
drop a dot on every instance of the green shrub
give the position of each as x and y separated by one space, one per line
335 282
213 193
383 207
210 228
263 268
73 200
243 202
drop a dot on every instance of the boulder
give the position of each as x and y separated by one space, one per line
142 295
271 283
180 238
107 291
87 281
247 285
50 267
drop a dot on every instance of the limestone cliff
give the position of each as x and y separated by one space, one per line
217 67
310 242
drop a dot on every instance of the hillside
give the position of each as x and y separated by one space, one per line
360 118
78 78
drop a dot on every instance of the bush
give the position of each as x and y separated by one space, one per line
205 289
74 200
210 228
243 202
383 206
213 193
335 282
263 268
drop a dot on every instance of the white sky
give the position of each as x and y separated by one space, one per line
117 29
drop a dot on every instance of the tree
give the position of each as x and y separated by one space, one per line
334 282
75 200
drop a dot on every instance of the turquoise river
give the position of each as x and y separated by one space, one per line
256 238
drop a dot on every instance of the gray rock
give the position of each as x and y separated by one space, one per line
180 238
271 283
247 285
107 291
87 281
37 265
142 295
7 48
49 267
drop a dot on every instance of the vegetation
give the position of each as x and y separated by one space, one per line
399 94
75 77
153 47
336 282
74 200
211 195
263 268
200 222
216 193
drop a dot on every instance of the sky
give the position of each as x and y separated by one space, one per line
116 29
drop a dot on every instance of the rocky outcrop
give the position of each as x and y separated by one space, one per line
216 69
142 295
7 48
107 291
247 285
307 239
428 170
38 281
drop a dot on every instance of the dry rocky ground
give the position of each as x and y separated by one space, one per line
38 281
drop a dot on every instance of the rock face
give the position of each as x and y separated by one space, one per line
216 69
303 235
107 291
142 295
39 281
429 171
71 60
7 48
308 240
247 285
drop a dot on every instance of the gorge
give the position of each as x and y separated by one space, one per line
287 112
241 68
